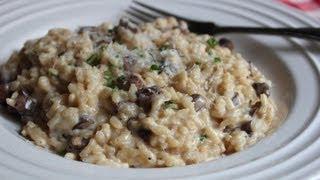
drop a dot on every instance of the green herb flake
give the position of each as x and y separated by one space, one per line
212 42
155 67
216 60
203 137
122 78
164 47
52 72
141 54
198 63
110 31
103 48
112 85
62 153
108 77
94 59
170 104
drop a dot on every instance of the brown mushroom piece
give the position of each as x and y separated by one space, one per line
39 117
235 99
76 143
26 60
133 124
84 122
261 88
7 76
4 93
98 37
198 101
254 108
246 126
124 82
86 29
227 43
145 97
144 134
25 104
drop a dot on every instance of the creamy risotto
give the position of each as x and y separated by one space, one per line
153 95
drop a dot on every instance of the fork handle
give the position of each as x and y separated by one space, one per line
307 33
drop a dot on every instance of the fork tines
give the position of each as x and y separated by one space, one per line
140 12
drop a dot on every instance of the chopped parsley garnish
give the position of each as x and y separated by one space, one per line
94 59
155 67
170 104
164 47
109 79
212 42
203 137
103 48
141 54
216 60
52 72
62 153
198 63
122 78
110 31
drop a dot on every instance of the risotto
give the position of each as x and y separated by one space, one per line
153 95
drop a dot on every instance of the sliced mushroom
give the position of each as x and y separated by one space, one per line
261 88
84 122
224 42
46 103
86 29
228 129
198 101
26 60
254 108
76 143
246 126
7 76
4 93
145 97
133 124
235 99
124 82
98 37
38 117
25 104
145 134
25 119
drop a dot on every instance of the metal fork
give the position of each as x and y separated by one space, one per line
142 12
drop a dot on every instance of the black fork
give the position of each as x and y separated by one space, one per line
142 12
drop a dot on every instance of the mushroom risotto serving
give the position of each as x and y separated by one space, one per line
153 95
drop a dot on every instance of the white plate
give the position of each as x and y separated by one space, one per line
291 152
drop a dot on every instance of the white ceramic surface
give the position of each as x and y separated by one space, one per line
291 152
